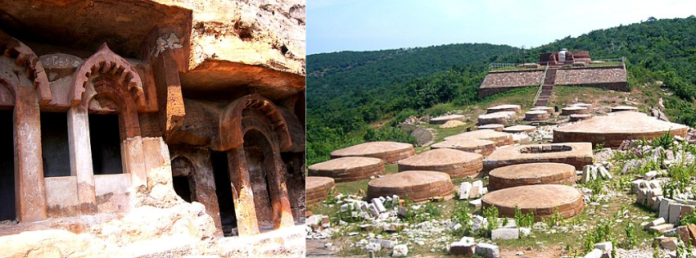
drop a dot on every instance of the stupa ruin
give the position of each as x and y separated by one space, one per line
453 162
389 152
348 169
417 186
611 130
541 200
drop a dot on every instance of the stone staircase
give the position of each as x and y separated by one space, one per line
547 88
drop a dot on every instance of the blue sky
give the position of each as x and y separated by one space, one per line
337 25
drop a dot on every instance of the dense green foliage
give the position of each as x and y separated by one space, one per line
351 93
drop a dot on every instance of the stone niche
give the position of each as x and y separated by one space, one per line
117 118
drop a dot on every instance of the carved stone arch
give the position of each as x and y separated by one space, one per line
186 161
106 62
26 58
129 125
231 130
183 166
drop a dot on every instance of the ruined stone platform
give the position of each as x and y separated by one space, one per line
502 117
577 154
579 117
318 188
500 138
417 186
612 129
580 104
520 129
348 169
483 147
624 108
537 115
389 152
453 162
531 174
443 119
542 200
502 108
573 110
494 127
549 110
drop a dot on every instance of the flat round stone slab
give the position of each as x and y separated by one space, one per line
537 115
494 127
579 117
443 119
531 174
572 110
580 104
500 138
611 130
496 118
453 162
418 186
348 169
520 129
389 152
500 108
483 147
542 200
546 109
623 108
318 188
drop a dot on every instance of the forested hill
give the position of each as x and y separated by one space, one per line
346 91
334 74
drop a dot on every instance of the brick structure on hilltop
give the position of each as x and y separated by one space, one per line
111 108
565 68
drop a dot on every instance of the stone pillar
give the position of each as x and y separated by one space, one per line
29 178
133 160
279 193
81 158
243 195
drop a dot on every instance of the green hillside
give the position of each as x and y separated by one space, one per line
360 96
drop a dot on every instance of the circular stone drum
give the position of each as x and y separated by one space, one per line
500 138
453 162
542 200
389 152
483 147
536 115
624 108
318 188
443 119
496 118
417 186
579 117
580 104
520 129
531 174
573 110
348 169
546 109
494 127
501 108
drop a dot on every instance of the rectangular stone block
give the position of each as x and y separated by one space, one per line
505 233
487 250
674 213
664 208
661 228
465 249
464 190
